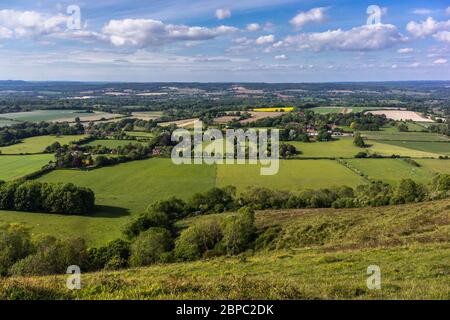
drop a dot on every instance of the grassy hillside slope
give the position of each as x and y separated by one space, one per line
315 254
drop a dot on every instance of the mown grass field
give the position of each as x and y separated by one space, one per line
317 254
391 170
38 144
14 167
340 148
293 175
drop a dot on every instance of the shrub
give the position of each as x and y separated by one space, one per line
215 198
440 186
409 191
112 256
15 244
152 219
53 256
240 231
199 238
150 246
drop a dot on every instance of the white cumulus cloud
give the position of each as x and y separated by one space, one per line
315 15
223 14
265 39
253 27
21 24
443 36
148 32
427 27
363 38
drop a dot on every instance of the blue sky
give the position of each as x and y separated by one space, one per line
207 41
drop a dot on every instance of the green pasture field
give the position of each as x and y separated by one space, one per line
435 165
441 148
391 170
404 136
38 144
111 143
293 175
121 191
341 148
132 186
14 167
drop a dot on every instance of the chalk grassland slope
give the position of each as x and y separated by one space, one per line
14 167
317 254
38 144
293 175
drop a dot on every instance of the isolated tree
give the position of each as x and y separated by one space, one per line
359 141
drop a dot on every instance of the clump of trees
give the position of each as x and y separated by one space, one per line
35 196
